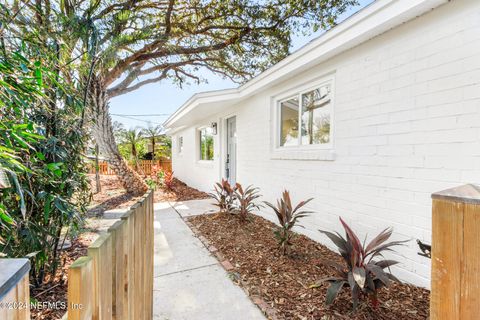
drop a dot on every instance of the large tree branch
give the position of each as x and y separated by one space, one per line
119 91
147 53
215 65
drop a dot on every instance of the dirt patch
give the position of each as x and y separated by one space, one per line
50 299
282 282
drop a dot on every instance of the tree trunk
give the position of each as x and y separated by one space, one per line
153 148
102 132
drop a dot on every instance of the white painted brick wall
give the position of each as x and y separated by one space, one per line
407 124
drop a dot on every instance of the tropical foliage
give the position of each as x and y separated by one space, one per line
116 47
168 179
287 218
363 272
132 145
224 196
41 151
245 200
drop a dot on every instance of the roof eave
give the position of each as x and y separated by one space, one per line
366 24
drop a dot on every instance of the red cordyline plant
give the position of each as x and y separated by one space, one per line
224 196
246 200
287 217
363 273
168 179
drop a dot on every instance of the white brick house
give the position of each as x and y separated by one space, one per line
389 105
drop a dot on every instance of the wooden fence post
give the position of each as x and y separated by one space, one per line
115 281
456 254
119 268
80 289
129 257
101 253
14 289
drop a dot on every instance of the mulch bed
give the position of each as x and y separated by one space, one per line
113 195
179 192
55 291
279 284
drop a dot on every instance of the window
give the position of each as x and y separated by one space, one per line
289 122
206 144
180 144
312 109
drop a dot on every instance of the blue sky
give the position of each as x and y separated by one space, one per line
164 97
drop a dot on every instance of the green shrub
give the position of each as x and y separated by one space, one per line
42 153
152 184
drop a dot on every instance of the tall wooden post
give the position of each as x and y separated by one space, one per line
97 170
14 289
456 254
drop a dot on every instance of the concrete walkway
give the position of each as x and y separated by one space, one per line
189 283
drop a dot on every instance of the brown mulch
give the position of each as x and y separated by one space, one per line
179 192
51 297
113 195
283 281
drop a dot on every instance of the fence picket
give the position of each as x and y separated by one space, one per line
115 281
145 167
101 253
80 289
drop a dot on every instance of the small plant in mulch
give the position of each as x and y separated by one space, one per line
152 184
224 196
246 200
168 179
287 218
362 273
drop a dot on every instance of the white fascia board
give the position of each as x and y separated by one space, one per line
373 20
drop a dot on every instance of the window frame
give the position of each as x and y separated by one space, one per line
298 92
180 145
199 146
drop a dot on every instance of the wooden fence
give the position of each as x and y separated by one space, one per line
115 280
456 254
144 167
14 289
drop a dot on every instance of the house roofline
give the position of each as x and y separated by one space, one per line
369 22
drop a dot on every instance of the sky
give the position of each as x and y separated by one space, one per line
152 104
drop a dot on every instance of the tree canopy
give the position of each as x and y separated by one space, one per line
116 47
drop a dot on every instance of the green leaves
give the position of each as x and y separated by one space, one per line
55 168
41 151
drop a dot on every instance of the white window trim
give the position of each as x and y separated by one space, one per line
199 147
180 150
303 152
